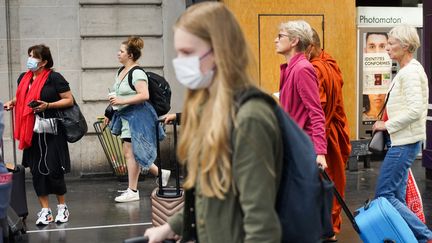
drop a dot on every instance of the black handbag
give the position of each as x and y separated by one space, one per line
377 143
73 122
109 112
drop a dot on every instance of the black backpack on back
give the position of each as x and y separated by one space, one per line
304 199
159 90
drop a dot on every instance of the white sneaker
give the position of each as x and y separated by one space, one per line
62 214
128 196
44 217
165 177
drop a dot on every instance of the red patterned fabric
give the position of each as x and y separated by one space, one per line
413 197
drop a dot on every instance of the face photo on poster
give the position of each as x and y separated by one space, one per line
376 76
372 105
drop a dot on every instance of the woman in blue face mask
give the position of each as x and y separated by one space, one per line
41 91
233 157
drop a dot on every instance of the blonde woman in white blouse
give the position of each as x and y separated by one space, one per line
406 109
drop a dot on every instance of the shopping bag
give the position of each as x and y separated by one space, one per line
413 197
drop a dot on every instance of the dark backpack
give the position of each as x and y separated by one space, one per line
304 199
159 90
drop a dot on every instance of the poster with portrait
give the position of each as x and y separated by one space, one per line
376 75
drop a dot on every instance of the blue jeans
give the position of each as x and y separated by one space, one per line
392 183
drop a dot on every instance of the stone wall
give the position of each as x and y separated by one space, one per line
84 37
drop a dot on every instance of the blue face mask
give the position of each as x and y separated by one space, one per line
32 64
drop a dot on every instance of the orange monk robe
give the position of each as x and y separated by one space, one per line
337 132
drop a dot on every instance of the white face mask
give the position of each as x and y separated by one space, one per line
188 73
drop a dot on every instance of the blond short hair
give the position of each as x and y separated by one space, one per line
407 35
298 29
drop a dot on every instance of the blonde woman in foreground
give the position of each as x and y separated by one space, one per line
233 158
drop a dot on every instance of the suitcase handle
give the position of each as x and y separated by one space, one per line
159 160
144 239
367 204
341 201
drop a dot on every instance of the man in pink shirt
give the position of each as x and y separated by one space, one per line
299 93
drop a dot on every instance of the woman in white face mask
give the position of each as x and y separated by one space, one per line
188 69
233 157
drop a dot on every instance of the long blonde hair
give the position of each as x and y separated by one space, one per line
205 144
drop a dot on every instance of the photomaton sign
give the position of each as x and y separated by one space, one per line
389 16
375 69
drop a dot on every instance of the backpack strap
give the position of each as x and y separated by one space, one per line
119 71
381 113
130 75
246 94
241 97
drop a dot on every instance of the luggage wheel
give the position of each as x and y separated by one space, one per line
389 241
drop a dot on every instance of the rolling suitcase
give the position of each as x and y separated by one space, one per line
5 189
16 226
143 239
12 227
377 221
166 201
18 199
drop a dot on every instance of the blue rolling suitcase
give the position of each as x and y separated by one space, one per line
377 221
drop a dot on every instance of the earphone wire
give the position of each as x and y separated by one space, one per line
41 153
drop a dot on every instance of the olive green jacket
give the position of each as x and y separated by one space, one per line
247 214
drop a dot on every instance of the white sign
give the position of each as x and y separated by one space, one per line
376 73
389 16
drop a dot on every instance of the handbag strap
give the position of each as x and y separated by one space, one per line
60 114
380 114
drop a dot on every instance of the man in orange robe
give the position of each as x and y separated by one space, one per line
337 132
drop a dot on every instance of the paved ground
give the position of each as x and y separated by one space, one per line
96 218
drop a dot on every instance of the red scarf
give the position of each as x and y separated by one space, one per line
24 116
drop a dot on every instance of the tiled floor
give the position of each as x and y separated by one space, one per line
96 218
